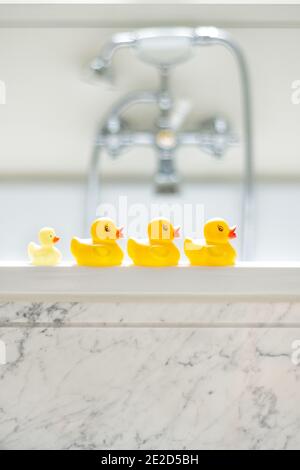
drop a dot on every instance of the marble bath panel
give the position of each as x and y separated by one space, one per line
156 312
150 388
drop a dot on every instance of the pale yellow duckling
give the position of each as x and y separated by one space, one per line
160 249
45 254
102 250
217 251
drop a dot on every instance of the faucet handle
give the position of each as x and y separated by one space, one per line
218 136
179 114
216 125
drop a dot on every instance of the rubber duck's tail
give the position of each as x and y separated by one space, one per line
187 244
31 250
75 244
131 248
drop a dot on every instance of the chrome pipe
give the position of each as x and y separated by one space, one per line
92 190
209 36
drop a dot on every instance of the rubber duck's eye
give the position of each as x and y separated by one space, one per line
220 228
165 227
51 236
106 228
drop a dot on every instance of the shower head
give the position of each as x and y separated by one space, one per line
164 47
161 47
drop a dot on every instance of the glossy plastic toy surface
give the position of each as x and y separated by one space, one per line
102 249
217 251
45 254
159 249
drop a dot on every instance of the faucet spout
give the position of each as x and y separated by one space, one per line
166 178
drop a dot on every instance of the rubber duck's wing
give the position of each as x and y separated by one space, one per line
101 250
214 250
159 252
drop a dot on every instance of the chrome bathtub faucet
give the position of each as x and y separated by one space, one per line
165 48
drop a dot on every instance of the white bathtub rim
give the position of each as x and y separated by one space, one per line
245 280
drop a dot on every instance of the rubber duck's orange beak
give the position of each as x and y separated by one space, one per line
232 233
56 239
120 232
177 232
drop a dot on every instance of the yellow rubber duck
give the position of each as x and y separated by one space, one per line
217 251
160 249
102 250
45 254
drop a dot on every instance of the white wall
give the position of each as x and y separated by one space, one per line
48 122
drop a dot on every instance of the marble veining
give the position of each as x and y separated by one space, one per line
158 311
183 376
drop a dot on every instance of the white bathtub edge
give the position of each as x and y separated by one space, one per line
246 279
